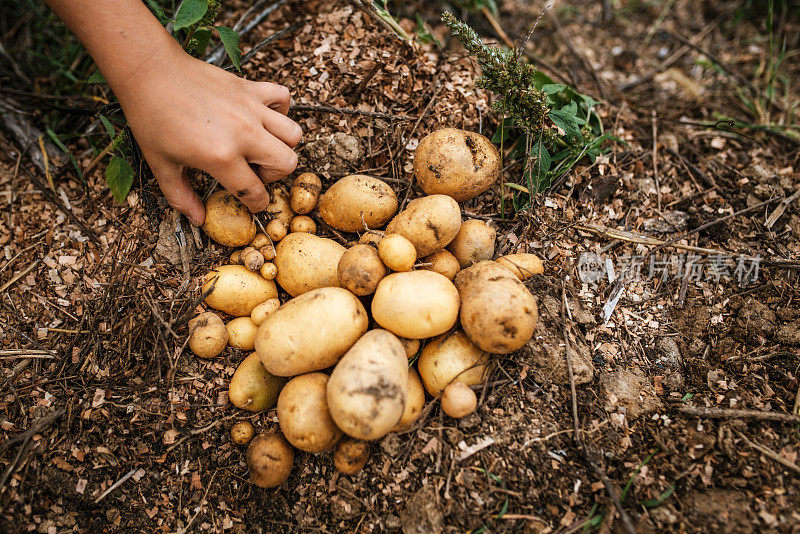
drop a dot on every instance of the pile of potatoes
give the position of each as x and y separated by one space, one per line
397 306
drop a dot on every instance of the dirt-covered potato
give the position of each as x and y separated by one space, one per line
307 262
277 229
236 257
268 270
473 243
358 202
442 262
458 400
360 269
411 346
279 207
371 238
451 357
304 193
311 332
252 259
397 253
241 333
228 221
303 413
268 251
269 460
209 337
416 304
456 163
252 387
242 432
522 265
415 401
303 223
261 311
351 455
367 389
237 290
259 241
430 223
498 313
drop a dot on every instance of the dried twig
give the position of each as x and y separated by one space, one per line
350 111
36 428
769 453
745 415
115 485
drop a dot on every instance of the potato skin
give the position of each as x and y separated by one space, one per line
237 290
456 163
415 401
458 400
262 311
242 432
451 357
411 346
360 270
303 223
210 337
430 223
416 304
304 193
522 265
269 460
304 416
356 200
368 387
498 313
311 332
351 455
307 262
474 243
371 238
228 221
397 253
252 387
279 207
442 262
241 333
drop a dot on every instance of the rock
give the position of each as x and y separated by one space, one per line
668 353
422 514
674 381
167 248
338 152
347 147
672 221
629 390
579 313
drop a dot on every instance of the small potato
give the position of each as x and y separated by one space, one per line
457 163
458 400
269 460
522 265
304 193
261 311
358 202
430 223
277 230
236 257
303 413
415 401
360 270
268 271
397 253
242 432
307 262
252 387
351 455
241 333
303 223
416 304
209 338
367 389
268 251
371 238
279 207
411 346
473 243
448 358
442 262
237 290
259 241
252 259
228 221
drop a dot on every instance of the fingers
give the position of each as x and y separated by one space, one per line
238 178
174 183
283 127
274 159
275 96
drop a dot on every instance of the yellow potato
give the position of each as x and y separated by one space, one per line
351 455
277 230
268 251
242 432
522 265
261 311
259 241
268 271
397 252
442 262
304 193
451 357
411 346
430 223
236 257
241 333
371 238
358 202
237 290
416 304
307 262
252 387
269 460
303 223
279 207
473 243
458 400
303 413
252 259
415 401
209 338
311 332
360 269
367 389
228 221
457 163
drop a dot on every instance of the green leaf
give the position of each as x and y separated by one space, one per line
687 397
96 77
230 40
201 38
119 177
501 134
540 79
52 135
189 12
570 109
112 133
553 88
565 122
159 13
652 503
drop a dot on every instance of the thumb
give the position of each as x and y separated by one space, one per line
174 183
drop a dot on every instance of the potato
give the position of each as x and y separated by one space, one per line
473 243
397 252
430 223
451 357
311 332
367 389
252 259
279 207
303 413
236 257
303 223
307 262
360 269
498 313
268 271
259 241
277 230
242 432
371 238
268 251
358 202
416 304
304 193
458 400
241 333
261 311
415 401
351 455
209 338
411 346
228 221
522 265
269 460
442 262
252 387
237 290
456 163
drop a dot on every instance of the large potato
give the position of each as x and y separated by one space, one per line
303 413
522 265
307 262
474 243
368 387
252 387
358 200
415 401
430 223
416 304
451 357
237 290
228 221
456 163
498 313
360 270
311 332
